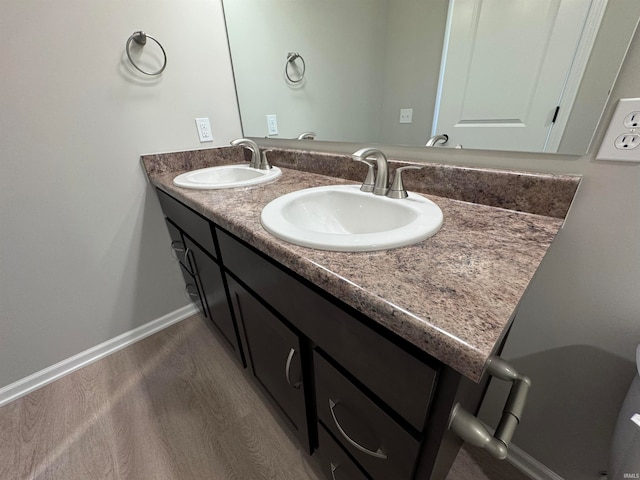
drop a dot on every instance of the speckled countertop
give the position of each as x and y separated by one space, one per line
452 295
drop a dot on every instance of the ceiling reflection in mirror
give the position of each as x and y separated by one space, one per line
526 75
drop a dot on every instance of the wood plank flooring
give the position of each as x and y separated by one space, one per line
173 406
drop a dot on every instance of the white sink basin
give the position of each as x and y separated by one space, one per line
342 218
226 176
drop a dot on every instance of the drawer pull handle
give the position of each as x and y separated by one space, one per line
287 370
472 430
178 246
177 250
189 288
333 469
377 454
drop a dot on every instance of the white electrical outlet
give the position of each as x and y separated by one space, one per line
632 120
204 130
272 124
406 115
622 139
627 141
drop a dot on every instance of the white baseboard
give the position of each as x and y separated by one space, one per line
529 465
43 377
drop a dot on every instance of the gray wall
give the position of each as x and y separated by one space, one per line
415 36
378 57
344 72
83 248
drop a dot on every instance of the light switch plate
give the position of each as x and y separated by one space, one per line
204 130
621 142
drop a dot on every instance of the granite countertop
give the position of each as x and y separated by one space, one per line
452 295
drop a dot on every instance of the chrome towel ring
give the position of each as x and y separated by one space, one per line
291 59
141 39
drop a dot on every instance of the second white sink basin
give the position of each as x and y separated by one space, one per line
226 176
343 218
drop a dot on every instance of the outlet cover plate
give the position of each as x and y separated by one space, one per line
204 130
272 124
617 128
406 115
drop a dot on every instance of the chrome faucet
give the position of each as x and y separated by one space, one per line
381 184
258 159
437 139
307 136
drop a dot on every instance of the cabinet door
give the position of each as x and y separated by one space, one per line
274 359
193 290
209 274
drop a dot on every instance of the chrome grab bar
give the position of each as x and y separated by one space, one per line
472 430
287 370
377 454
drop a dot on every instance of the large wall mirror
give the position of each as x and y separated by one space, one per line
517 75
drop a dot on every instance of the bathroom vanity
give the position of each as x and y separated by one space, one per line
364 355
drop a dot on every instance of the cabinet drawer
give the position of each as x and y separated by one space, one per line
192 223
398 378
178 247
334 462
383 448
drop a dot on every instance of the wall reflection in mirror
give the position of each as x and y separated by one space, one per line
526 75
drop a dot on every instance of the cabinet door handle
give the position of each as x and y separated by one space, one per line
377 454
287 370
187 262
472 430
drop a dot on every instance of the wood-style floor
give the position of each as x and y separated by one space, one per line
173 406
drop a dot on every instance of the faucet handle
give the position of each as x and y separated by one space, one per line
397 187
370 181
264 163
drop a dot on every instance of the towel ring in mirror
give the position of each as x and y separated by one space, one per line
291 59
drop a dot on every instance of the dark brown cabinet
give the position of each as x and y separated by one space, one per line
367 404
273 353
193 245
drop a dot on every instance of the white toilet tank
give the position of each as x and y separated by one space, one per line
624 462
